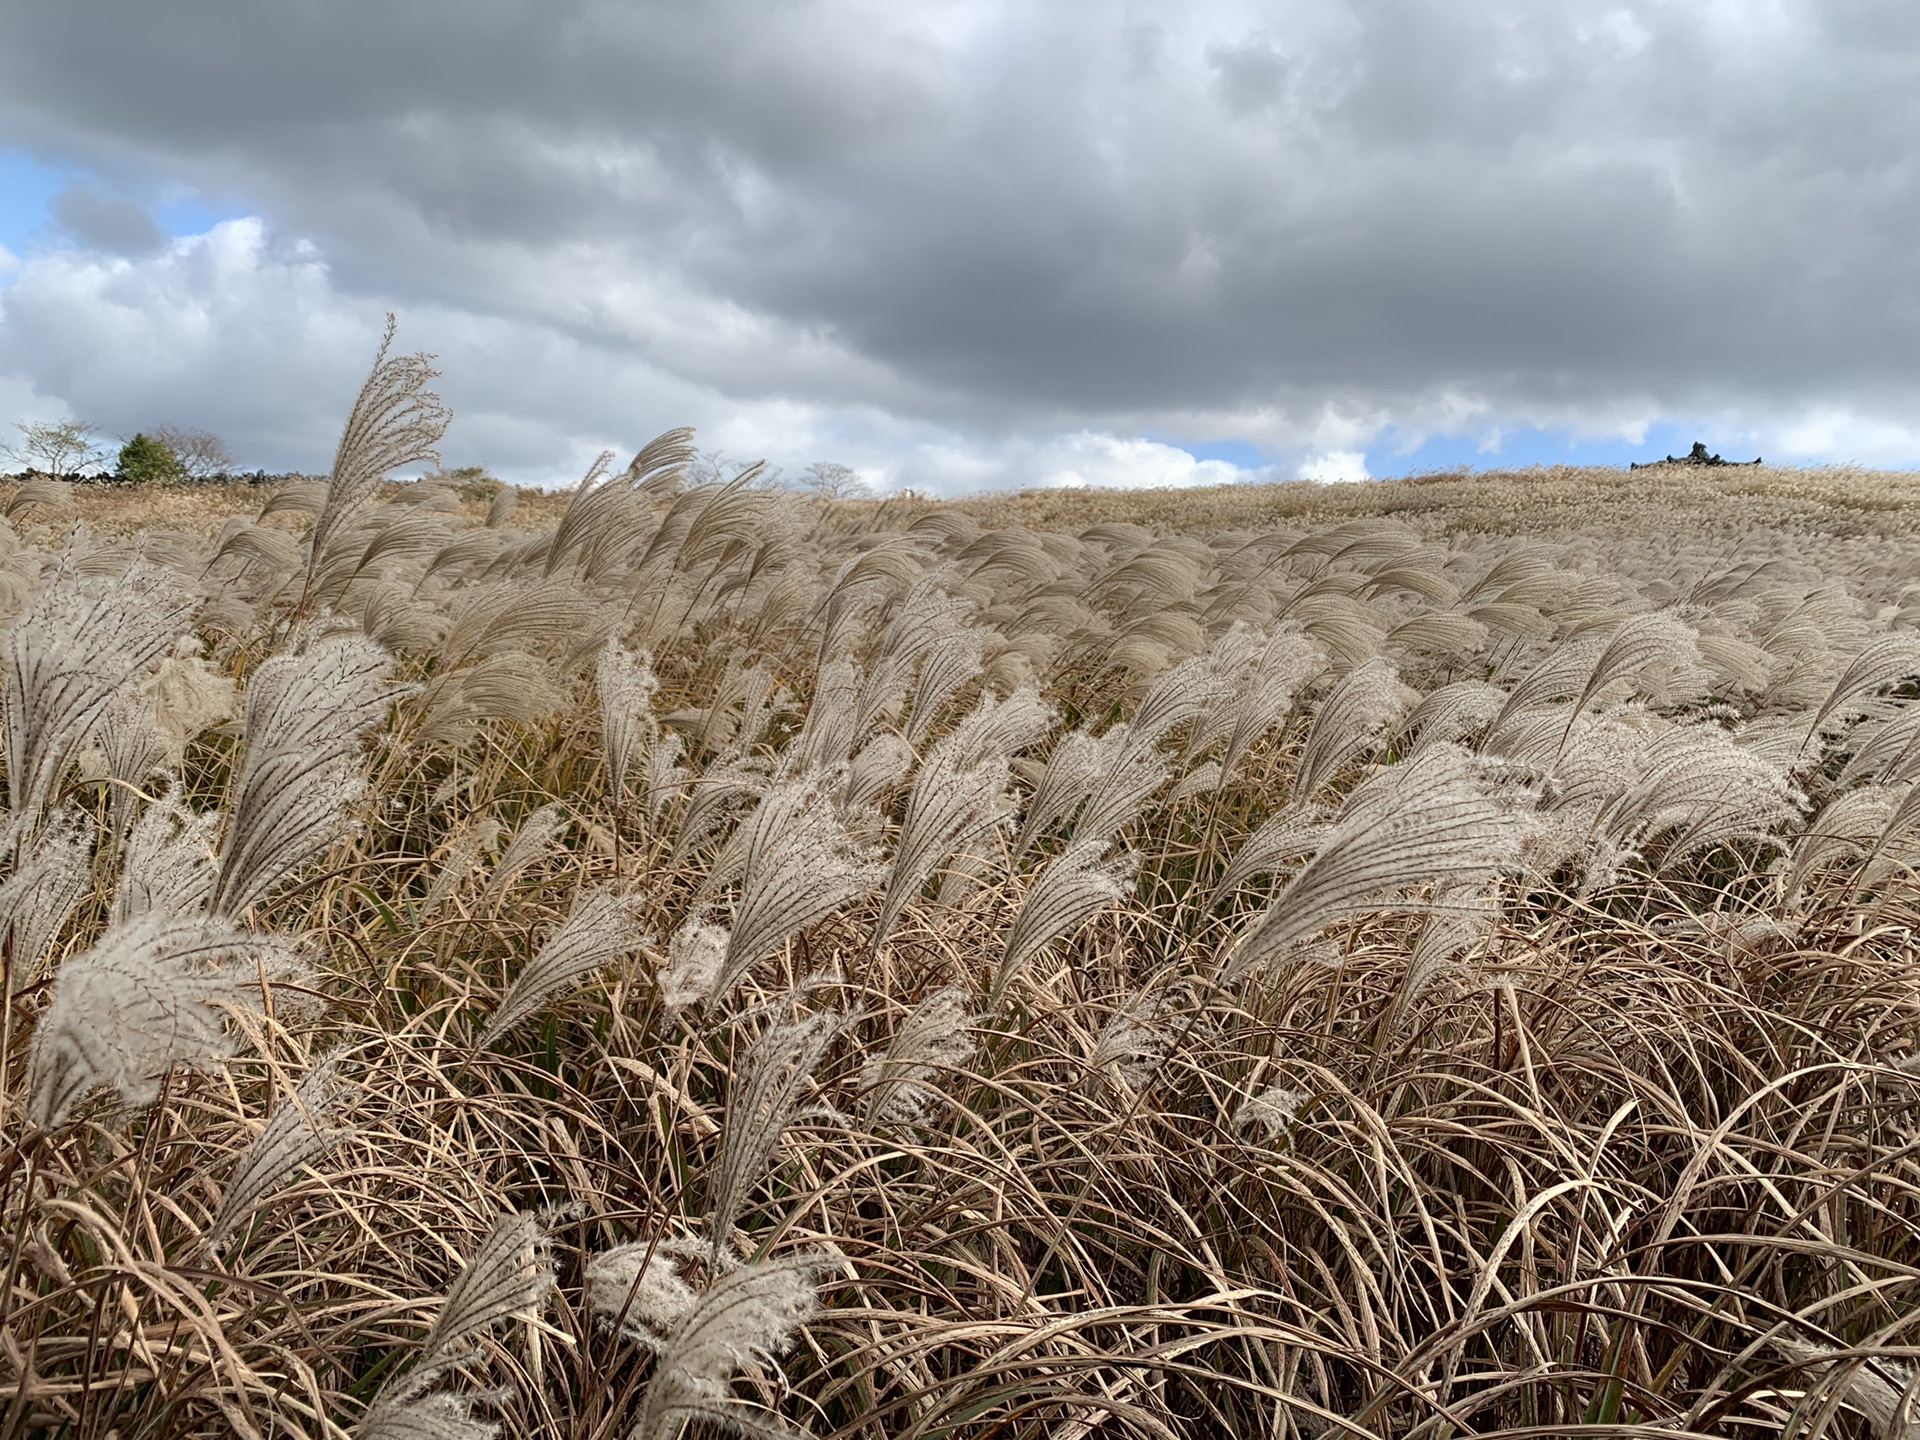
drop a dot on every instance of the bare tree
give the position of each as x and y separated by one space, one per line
831 481
63 449
202 454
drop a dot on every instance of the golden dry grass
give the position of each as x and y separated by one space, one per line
1637 1157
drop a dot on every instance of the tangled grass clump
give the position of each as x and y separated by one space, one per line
709 960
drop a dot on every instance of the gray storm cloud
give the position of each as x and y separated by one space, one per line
1022 220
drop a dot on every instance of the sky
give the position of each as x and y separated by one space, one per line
967 244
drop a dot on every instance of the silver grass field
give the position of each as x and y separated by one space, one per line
1428 959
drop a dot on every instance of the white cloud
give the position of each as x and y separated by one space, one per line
1109 462
1332 467
254 335
251 336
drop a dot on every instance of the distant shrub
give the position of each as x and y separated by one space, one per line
147 461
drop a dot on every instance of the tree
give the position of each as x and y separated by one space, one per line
835 482
201 454
147 461
63 449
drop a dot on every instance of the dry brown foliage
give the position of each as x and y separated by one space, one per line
1474 994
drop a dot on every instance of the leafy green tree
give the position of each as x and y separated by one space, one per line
147 461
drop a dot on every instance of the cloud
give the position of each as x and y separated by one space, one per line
105 222
984 230
1335 467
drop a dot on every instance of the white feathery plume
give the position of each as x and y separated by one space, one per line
1458 923
1265 696
132 750
1133 1042
831 727
1738 664
696 956
508 685
1886 661
406 1414
639 1288
798 865
666 776
968 869
150 994
1890 854
721 790
463 859
1350 632
601 929
81 641
882 762
951 661
1453 712
1350 722
1185 692
1273 1110
43 892
996 728
744 1318
299 770
1700 788
1078 760
627 685
1203 779
1430 822
1559 675
1658 652
167 862
533 842
508 1276
1282 837
1073 889
1439 633
765 1098
300 1131
927 617
1889 751
931 1039
947 807
395 421
1120 791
